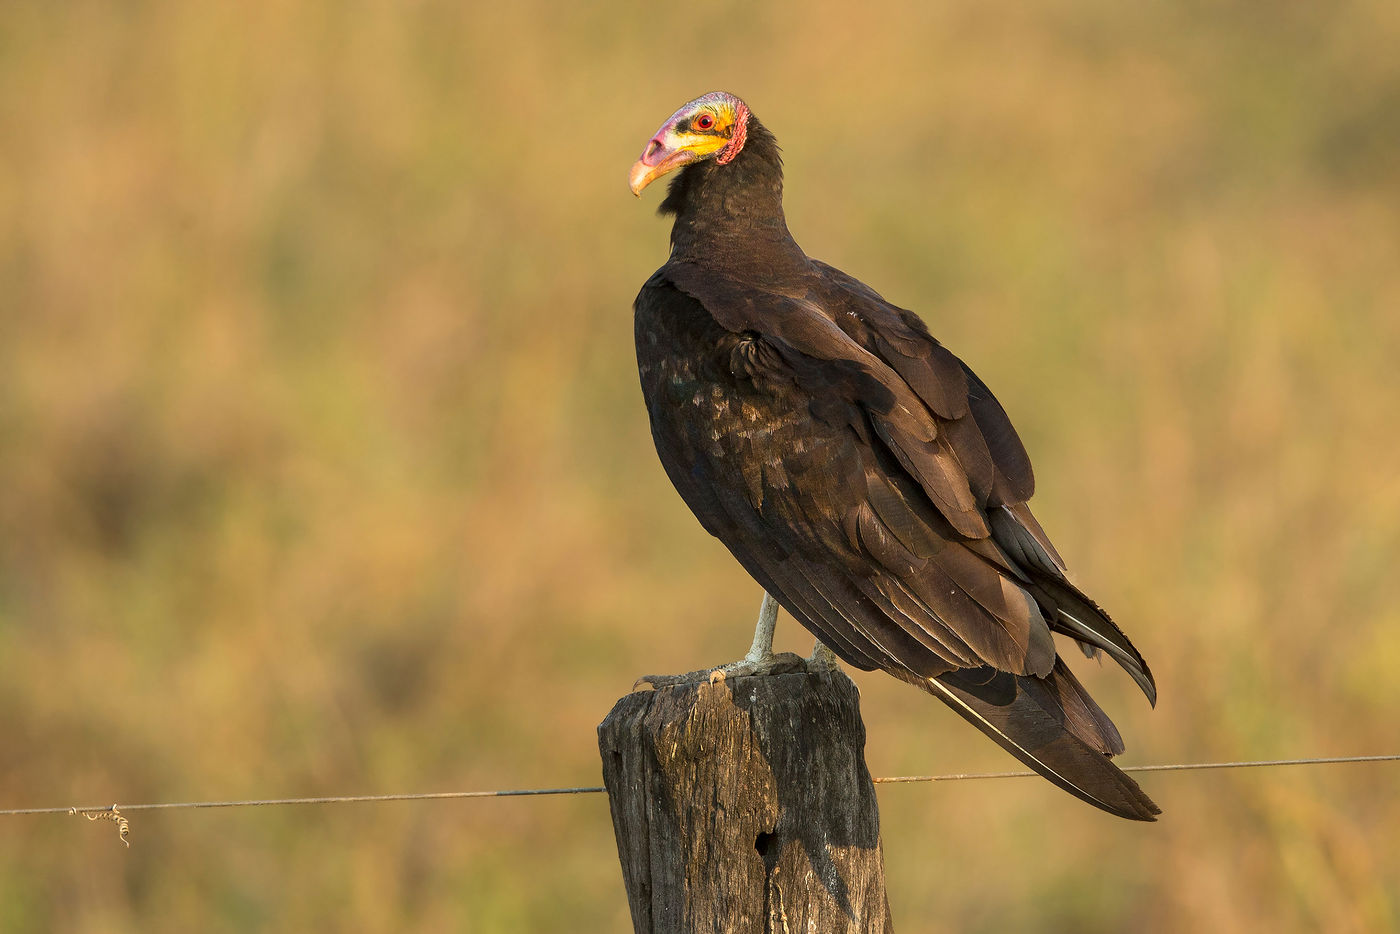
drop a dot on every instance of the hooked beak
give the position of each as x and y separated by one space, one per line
655 162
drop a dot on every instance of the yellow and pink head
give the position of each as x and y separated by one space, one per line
712 126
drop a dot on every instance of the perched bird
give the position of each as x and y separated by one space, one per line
862 473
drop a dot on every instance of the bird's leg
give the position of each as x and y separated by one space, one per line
822 658
761 652
759 661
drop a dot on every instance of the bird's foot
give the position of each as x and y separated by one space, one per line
822 658
750 666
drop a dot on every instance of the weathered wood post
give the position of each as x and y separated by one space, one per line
745 806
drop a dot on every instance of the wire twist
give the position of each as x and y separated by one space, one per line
111 814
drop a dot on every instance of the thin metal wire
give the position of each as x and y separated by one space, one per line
332 799
593 790
1179 767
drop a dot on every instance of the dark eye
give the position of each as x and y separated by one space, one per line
704 122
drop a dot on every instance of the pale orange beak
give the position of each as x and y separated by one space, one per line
655 162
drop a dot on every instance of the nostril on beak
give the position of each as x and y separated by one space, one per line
652 147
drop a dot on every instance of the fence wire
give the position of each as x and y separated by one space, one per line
113 812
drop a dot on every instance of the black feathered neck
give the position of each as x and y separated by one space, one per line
732 213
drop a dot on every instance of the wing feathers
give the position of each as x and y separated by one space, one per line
918 620
873 484
938 472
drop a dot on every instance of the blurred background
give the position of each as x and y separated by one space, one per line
324 469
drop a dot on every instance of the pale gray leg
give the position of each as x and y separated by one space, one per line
761 652
759 661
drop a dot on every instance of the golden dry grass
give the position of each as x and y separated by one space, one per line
323 467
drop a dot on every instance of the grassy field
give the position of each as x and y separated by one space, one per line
324 470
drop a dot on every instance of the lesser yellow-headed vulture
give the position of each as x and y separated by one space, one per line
862 473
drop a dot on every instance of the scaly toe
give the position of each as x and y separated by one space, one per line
780 664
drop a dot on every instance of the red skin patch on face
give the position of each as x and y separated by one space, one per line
741 131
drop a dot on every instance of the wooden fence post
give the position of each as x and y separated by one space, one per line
745 806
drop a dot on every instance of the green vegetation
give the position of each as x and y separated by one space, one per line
323 468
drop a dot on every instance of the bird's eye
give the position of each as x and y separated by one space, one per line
704 122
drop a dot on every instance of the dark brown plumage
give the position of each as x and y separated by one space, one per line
861 472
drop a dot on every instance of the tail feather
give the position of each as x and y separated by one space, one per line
1062 695
1053 726
1068 609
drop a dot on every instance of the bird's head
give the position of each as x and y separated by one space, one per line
710 127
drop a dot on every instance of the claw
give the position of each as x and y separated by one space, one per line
781 664
760 660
